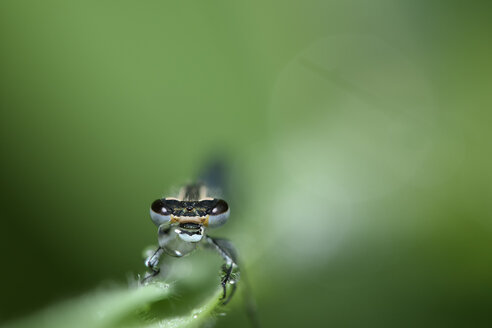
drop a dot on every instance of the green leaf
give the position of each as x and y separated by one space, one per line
195 318
119 307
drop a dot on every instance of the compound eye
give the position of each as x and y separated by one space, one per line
219 214
160 212
220 207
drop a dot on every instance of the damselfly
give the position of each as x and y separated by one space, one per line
183 223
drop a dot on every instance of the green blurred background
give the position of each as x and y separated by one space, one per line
357 133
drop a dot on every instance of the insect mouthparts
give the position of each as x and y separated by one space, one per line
189 225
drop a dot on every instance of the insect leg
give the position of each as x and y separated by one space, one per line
227 251
152 262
